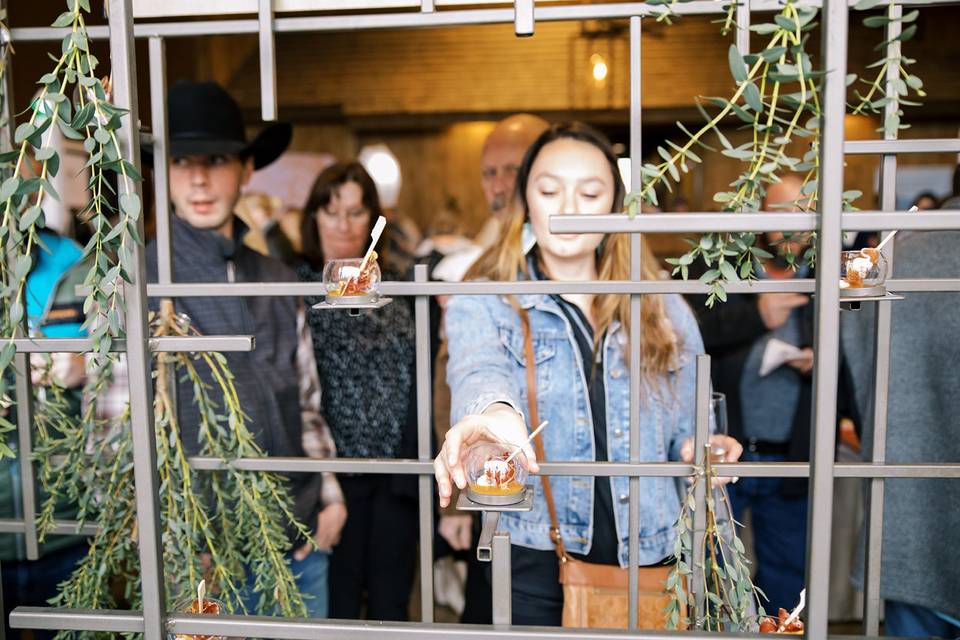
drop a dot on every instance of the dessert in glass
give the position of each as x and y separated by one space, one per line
346 284
207 606
492 476
862 273
776 625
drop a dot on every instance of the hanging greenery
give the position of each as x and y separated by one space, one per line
229 526
777 100
721 590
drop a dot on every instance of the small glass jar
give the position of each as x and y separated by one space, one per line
862 271
211 606
346 285
490 478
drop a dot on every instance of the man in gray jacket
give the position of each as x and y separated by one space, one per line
920 567
210 161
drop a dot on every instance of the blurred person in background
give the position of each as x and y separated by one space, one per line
769 407
53 310
367 373
920 567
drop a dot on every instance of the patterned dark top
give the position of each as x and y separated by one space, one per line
366 366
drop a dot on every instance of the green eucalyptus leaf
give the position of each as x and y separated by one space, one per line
907 33
65 19
737 66
30 216
23 132
728 272
9 187
773 54
130 205
876 21
752 95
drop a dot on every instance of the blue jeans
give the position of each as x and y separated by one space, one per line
311 576
779 534
913 621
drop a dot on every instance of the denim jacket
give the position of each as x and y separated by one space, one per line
487 366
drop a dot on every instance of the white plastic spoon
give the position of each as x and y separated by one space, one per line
374 238
529 440
796 612
887 239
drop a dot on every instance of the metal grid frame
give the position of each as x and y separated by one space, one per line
155 622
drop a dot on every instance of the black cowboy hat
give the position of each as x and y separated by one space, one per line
203 119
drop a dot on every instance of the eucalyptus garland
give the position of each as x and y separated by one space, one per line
777 99
226 526
726 598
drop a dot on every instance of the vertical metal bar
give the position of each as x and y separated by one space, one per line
874 518
21 361
161 181
636 273
501 579
268 62
523 17
426 6
743 27
701 436
25 452
123 63
6 144
826 334
424 404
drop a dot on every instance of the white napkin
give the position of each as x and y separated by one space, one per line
777 354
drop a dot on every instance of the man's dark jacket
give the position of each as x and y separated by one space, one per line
266 378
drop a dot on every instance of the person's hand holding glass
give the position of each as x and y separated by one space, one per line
723 448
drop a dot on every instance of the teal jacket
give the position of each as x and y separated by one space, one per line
54 310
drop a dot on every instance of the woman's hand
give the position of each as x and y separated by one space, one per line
499 423
732 450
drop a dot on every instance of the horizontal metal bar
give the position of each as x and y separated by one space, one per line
871 470
60 527
927 145
110 620
401 20
301 629
315 465
396 289
756 222
918 285
157 345
599 469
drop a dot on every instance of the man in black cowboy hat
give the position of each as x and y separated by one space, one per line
210 161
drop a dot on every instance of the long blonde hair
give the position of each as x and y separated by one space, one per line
505 260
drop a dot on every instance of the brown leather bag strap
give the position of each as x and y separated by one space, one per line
538 440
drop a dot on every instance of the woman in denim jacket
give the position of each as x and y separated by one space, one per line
583 383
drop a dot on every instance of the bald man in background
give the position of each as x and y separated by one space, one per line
503 152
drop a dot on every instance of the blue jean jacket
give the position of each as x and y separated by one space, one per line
487 366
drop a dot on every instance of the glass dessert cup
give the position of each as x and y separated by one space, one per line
862 273
211 606
490 478
772 624
345 284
